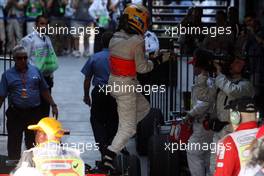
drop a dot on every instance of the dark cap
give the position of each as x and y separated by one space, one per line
244 104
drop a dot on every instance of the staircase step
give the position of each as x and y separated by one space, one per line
217 7
175 22
178 15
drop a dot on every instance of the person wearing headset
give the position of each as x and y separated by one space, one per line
231 84
233 150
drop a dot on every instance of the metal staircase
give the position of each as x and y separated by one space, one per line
166 13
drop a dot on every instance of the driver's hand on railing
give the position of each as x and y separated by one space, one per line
157 60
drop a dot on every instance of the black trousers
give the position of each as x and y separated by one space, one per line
45 106
17 122
104 118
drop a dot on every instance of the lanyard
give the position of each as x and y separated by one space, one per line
24 90
23 79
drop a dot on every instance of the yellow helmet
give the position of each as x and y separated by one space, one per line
138 17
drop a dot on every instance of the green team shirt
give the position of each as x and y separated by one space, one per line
34 9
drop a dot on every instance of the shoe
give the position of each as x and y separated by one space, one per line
66 52
108 161
87 168
76 53
86 54
100 169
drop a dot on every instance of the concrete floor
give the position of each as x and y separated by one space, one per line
74 114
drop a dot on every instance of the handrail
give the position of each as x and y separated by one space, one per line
217 7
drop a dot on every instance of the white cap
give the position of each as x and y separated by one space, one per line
19 49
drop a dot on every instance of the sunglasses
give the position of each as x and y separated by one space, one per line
21 58
43 23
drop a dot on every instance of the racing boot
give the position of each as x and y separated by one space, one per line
108 161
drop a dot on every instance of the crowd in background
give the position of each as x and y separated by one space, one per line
17 19
246 37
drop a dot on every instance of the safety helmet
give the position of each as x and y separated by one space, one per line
50 126
138 17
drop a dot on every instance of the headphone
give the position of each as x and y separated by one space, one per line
235 117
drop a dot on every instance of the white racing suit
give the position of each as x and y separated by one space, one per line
203 101
51 158
126 59
228 89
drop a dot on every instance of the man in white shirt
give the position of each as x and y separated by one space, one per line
39 49
15 13
2 25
